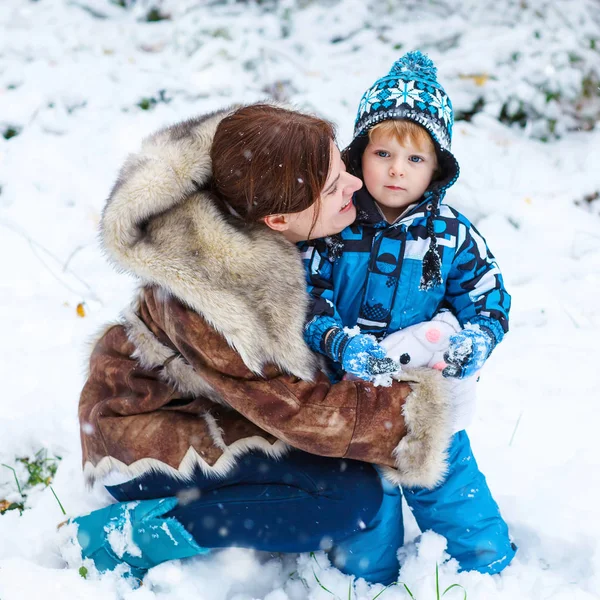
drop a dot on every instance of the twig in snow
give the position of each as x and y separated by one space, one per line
576 322
96 14
277 52
70 257
512 437
36 247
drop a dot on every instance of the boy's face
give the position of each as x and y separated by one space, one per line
395 174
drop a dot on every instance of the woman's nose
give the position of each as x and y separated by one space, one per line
354 183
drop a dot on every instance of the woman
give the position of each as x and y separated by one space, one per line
204 402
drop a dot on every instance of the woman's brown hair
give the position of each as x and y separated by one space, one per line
268 160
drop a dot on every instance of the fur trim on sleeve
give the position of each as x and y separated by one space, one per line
421 455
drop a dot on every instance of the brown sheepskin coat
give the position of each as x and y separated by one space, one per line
209 361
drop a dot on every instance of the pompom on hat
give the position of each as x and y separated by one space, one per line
411 91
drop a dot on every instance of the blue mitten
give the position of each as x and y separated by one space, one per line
135 533
358 354
468 351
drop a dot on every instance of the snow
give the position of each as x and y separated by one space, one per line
120 534
70 85
166 529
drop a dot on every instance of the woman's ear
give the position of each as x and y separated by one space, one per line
277 222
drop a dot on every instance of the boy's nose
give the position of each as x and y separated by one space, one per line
396 170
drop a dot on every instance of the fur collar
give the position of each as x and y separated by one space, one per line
162 225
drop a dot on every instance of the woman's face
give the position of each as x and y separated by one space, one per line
334 207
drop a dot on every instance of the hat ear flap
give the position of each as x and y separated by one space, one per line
352 155
447 170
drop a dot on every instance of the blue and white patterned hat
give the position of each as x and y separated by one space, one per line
409 91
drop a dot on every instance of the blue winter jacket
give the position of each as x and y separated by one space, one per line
369 275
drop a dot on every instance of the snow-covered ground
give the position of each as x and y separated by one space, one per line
72 74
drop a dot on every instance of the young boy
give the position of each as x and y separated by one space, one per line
405 258
407 255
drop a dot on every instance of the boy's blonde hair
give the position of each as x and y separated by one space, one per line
403 130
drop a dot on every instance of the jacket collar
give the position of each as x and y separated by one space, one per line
368 213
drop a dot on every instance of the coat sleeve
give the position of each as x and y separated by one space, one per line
475 287
322 313
404 426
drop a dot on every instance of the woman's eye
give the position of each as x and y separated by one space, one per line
333 191
382 153
415 159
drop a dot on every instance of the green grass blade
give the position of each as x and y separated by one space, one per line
456 585
15 474
322 586
314 557
437 582
385 588
408 591
59 502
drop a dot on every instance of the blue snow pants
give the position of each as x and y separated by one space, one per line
463 510
302 502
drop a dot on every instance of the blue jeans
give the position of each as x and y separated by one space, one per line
303 502
299 503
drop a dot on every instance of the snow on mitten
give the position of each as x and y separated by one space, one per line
136 533
468 351
359 355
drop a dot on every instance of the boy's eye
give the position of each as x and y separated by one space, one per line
415 159
382 153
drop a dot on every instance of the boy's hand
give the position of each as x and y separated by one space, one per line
359 355
468 351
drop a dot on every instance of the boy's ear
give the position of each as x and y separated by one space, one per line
277 222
